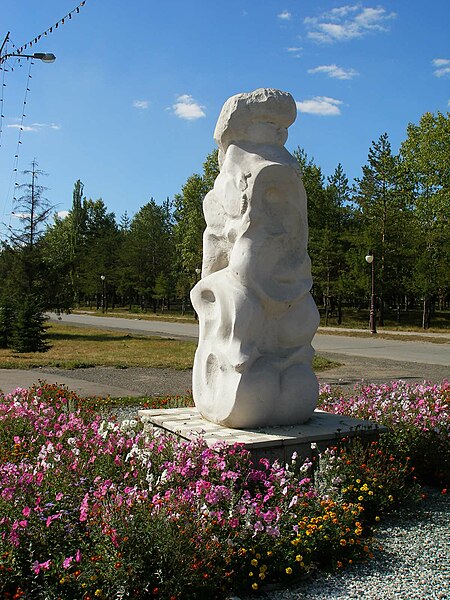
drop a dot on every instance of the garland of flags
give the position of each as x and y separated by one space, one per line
67 17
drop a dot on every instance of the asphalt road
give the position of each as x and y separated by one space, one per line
413 351
370 360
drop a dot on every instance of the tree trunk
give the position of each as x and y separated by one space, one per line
380 311
426 313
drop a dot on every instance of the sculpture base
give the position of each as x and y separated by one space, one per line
279 442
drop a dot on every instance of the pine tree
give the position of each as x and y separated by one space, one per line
29 331
28 274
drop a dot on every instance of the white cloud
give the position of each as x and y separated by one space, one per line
334 71
22 127
141 104
347 22
320 105
187 108
284 15
44 125
442 67
295 51
35 126
21 215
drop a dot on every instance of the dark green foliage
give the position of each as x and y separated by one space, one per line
6 324
29 331
398 209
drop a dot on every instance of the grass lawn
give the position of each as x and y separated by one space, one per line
76 347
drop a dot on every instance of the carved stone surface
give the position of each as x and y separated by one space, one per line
252 366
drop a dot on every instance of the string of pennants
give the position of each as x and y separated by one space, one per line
67 17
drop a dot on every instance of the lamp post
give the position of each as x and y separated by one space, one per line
102 277
46 57
372 318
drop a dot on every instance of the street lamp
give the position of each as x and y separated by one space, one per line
46 57
372 319
102 277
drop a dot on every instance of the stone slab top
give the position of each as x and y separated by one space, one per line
187 423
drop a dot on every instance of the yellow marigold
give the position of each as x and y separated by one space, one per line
289 570
299 558
254 562
254 586
262 575
360 498
270 553
377 519
343 542
98 593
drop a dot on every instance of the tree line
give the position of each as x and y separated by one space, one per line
398 210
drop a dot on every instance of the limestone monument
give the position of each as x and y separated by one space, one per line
257 318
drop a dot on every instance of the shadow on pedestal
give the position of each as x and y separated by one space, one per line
280 442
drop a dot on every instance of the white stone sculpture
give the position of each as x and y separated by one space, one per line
252 367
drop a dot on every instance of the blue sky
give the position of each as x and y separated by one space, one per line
130 105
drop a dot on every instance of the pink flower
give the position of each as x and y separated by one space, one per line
38 567
52 518
26 511
78 556
67 562
84 507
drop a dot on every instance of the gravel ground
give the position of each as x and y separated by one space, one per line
413 564
160 382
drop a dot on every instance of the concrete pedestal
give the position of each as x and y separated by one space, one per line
279 442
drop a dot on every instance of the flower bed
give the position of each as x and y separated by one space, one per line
417 416
91 508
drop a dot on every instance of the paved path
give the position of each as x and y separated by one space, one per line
363 359
368 347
